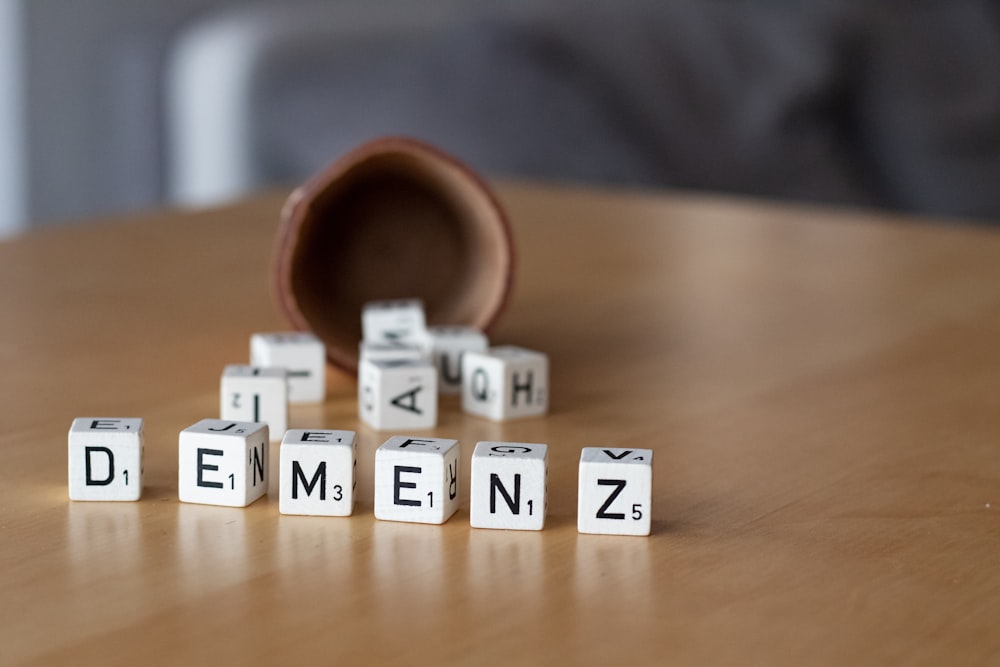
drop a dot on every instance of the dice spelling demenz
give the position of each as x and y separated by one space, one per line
222 462
105 458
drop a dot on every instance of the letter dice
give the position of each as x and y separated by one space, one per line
318 472
416 479
505 383
447 346
222 462
397 395
394 321
616 491
508 486
253 394
105 459
301 354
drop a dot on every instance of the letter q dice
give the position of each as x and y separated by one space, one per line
222 462
105 459
616 491
505 383
508 486
416 479
301 354
318 472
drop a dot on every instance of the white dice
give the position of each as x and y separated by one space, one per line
301 354
222 462
254 394
615 491
508 486
318 472
505 383
391 352
395 321
416 479
397 395
447 346
105 459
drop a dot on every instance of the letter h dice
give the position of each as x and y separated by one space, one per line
508 486
105 459
318 472
505 383
416 479
616 491
222 462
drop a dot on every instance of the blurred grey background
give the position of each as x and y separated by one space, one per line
112 105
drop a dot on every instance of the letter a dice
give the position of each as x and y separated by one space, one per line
105 459
397 395
508 486
301 354
253 394
416 479
505 383
222 462
616 491
318 471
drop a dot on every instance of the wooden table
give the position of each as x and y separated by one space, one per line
820 388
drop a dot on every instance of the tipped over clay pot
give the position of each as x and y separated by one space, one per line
394 218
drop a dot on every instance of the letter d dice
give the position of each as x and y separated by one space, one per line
105 459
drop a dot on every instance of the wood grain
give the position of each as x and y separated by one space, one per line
819 386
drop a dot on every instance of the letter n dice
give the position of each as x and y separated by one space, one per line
416 479
105 459
616 491
222 462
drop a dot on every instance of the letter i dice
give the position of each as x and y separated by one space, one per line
505 383
447 346
397 395
318 472
301 354
222 462
416 479
508 486
616 491
253 394
393 321
105 459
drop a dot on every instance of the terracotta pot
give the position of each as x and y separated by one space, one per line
394 218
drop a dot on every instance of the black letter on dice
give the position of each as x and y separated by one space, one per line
619 485
87 451
397 485
318 478
496 485
202 466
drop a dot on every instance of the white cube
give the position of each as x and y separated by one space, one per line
416 479
105 458
508 486
447 346
394 321
616 491
254 394
222 462
397 395
318 472
301 354
368 351
505 383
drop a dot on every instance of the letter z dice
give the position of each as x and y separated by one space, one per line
616 491
105 459
301 354
505 383
318 472
416 479
508 486
222 463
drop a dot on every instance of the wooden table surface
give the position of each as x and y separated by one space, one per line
820 388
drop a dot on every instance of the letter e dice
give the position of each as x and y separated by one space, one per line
416 479
222 462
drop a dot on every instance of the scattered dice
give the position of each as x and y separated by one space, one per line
105 459
301 354
508 486
615 491
416 479
253 394
222 462
318 472
397 395
447 346
505 383
395 321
